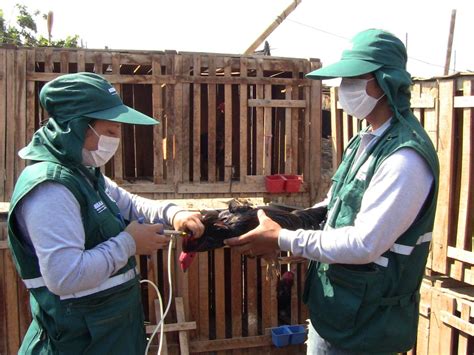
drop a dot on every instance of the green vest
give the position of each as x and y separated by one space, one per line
373 307
104 320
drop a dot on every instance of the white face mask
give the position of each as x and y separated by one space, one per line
354 98
106 149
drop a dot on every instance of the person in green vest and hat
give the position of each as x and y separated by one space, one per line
74 233
367 263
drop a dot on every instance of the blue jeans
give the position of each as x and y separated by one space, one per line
315 345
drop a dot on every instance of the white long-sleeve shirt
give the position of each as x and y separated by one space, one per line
391 203
49 219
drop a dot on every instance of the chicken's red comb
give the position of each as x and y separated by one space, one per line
185 260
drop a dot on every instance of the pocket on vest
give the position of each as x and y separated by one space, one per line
338 293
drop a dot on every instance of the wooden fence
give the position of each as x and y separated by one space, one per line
226 122
445 108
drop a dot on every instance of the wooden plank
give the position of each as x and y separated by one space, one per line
203 325
229 344
3 305
170 120
336 131
185 122
446 332
425 101
10 151
236 289
308 132
243 121
267 302
193 291
313 138
464 101
23 309
273 301
183 335
259 123
253 186
268 102
461 255
3 123
118 156
48 61
172 327
288 135
443 220
252 312
81 61
197 120
346 129
178 122
463 342
294 294
465 221
457 323
64 62
295 125
20 109
12 307
267 134
423 333
172 79
228 167
211 133
30 96
152 275
435 323
164 346
219 288
98 63
157 97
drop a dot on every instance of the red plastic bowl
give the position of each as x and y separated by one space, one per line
293 183
275 183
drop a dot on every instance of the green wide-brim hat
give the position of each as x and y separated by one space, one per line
88 95
371 50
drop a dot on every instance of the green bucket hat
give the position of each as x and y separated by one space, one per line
87 95
371 50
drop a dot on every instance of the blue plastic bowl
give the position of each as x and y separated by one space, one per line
281 336
297 334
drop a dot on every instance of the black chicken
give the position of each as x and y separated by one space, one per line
239 219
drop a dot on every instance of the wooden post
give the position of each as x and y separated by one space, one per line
157 98
443 220
336 131
196 119
315 134
243 120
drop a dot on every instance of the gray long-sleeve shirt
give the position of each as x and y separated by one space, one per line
49 219
390 204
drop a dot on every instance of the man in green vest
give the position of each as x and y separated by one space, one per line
367 264
74 233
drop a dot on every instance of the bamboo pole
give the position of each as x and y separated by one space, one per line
450 42
272 27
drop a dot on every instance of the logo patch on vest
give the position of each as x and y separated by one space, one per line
99 207
109 195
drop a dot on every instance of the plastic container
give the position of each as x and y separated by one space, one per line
297 334
281 336
292 183
275 183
